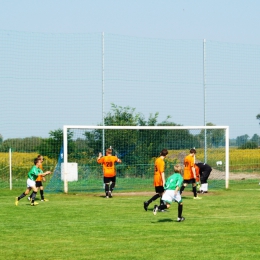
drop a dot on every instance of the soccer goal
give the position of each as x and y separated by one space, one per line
137 147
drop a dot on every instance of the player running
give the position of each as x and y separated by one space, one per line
172 193
31 185
159 178
39 181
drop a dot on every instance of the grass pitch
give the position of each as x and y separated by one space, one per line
223 225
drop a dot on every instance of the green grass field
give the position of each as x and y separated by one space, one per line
223 225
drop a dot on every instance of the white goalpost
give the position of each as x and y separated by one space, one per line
138 145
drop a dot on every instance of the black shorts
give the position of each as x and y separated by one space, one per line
159 189
190 181
38 184
109 179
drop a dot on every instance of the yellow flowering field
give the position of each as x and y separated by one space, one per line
21 164
23 159
239 159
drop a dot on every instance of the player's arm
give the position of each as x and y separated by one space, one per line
163 178
176 189
45 173
118 160
99 157
194 172
197 170
178 185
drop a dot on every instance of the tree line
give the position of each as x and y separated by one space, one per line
137 141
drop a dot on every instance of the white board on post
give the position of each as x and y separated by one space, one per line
72 172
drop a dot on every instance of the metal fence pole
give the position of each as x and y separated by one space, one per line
205 99
103 90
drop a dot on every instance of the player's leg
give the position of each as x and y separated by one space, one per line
29 184
22 195
180 209
161 194
184 184
37 185
112 186
194 189
42 193
159 190
35 190
166 200
40 186
161 207
205 181
30 196
203 178
106 182
148 202
177 198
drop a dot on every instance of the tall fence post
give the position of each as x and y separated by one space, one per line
103 91
205 100
10 168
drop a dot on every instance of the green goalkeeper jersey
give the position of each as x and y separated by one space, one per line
34 172
173 181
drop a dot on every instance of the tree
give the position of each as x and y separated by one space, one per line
52 145
258 117
241 140
256 139
122 116
215 137
249 145
141 145
24 145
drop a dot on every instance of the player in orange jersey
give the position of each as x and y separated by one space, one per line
159 178
189 176
39 180
109 170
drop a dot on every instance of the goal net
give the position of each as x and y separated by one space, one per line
137 147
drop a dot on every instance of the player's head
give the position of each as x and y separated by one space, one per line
164 152
193 150
37 160
109 151
40 157
177 168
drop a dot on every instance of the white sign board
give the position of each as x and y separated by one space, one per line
72 172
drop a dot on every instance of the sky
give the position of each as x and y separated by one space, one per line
225 21
231 21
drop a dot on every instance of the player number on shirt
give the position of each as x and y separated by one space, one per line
109 164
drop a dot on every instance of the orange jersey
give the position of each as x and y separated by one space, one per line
197 169
40 177
188 165
108 163
158 170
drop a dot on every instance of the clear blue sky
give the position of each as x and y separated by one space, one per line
23 70
223 20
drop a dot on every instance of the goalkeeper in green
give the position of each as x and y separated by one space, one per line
172 192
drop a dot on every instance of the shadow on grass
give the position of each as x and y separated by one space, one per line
166 220
187 197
